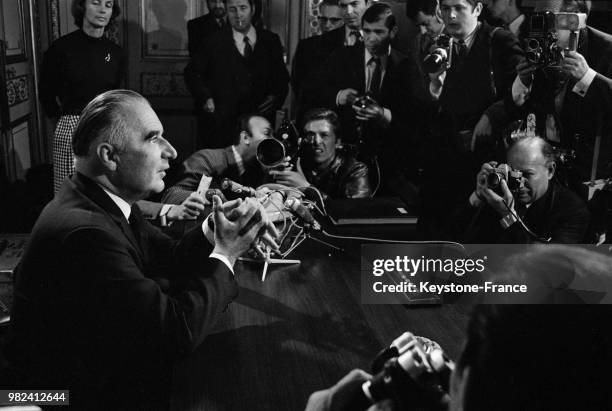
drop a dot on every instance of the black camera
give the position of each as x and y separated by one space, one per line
542 41
504 172
414 372
272 152
441 57
364 101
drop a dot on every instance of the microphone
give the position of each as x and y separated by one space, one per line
233 190
296 206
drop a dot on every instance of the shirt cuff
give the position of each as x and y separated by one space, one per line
508 220
163 221
435 91
338 99
224 260
582 86
387 115
520 92
210 236
207 229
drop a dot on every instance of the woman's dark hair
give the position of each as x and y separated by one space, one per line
78 12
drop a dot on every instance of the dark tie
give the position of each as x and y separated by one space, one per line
462 50
376 74
355 36
248 50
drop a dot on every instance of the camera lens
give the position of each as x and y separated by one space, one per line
494 179
270 152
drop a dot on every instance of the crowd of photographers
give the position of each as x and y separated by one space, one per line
443 127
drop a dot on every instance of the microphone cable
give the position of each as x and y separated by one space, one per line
524 226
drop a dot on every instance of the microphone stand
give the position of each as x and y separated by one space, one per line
302 235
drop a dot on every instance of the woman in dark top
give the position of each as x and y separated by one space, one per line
76 68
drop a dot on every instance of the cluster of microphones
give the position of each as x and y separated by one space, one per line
230 190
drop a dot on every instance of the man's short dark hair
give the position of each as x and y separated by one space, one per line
378 11
251 3
244 124
472 3
104 116
324 114
427 7
333 3
78 12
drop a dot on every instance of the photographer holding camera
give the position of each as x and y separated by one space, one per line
571 95
516 356
466 92
521 203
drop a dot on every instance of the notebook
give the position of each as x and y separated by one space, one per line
365 211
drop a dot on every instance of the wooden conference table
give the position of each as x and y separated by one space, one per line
300 331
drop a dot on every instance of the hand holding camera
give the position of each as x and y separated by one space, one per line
494 184
347 96
367 109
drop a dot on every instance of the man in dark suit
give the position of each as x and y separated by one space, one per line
201 27
468 108
105 302
237 162
315 57
238 71
380 126
572 102
550 211
306 60
371 67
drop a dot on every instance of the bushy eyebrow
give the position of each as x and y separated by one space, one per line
153 133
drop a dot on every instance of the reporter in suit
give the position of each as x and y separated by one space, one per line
201 27
238 71
104 302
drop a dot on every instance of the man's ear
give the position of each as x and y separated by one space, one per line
552 167
393 33
478 8
245 138
108 156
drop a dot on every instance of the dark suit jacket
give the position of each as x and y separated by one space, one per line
216 163
558 214
103 307
346 69
581 116
200 28
309 61
469 88
237 85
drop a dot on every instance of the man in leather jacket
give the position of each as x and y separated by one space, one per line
335 174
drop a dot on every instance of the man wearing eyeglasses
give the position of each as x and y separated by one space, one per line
310 54
330 16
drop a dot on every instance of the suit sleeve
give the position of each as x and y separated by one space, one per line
332 81
197 71
506 55
135 306
279 86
